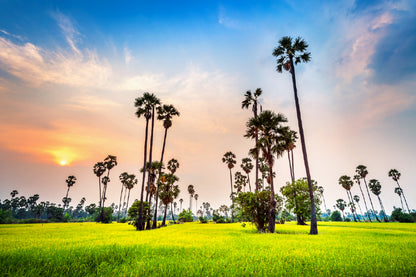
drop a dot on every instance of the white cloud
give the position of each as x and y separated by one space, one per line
127 55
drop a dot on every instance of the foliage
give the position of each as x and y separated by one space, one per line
398 215
104 215
336 216
186 216
297 199
5 216
134 211
203 219
54 214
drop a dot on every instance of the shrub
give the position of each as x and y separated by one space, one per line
134 212
107 216
336 216
6 216
203 219
398 215
186 216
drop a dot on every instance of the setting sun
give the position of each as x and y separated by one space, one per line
62 163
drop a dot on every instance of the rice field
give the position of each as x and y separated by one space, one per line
194 249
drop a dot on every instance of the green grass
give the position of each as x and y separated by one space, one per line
79 249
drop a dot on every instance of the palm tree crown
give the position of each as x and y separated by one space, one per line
165 113
145 104
229 159
289 49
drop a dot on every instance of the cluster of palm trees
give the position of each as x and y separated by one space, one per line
271 137
158 182
374 186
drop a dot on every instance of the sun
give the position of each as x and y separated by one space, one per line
63 162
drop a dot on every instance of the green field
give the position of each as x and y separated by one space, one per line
193 249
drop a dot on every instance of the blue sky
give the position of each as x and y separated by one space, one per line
70 70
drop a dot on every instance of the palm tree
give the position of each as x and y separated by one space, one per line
357 178
109 162
145 107
151 187
180 201
247 166
251 99
123 177
341 205
70 181
168 192
357 200
269 129
399 191
191 192
99 169
320 189
229 159
131 181
395 175
196 196
346 182
362 171
289 54
14 193
376 189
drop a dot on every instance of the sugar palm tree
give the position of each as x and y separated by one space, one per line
123 176
357 200
341 206
375 188
145 107
191 192
247 166
290 53
196 196
14 193
180 201
399 192
251 99
268 125
320 189
395 175
363 172
229 160
109 162
99 169
346 182
151 187
168 192
289 140
70 181
357 178
131 181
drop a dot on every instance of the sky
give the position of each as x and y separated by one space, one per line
71 70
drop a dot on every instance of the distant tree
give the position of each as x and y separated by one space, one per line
168 192
362 171
109 162
346 182
247 166
123 176
375 188
395 175
196 196
229 160
336 216
180 201
290 53
399 192
191 192
70 181
14 193
341 204
357 179
99 169
357 200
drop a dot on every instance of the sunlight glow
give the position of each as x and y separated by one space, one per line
63 156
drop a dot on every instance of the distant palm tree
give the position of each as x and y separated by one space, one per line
395 175
320 189
131 181
99 169
357 179
346 182
14 193
180 201
70 181
341 205
145 107
247 166
229 159
289 53
196 196
191 192
151 188
252 99
357 200
376 189
123 177
362 171
289 140
168 192
109 162
399 192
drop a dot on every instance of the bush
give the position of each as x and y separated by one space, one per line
6 216
347 219
134 212
186 216
216 217
398 215
336 216
106 217
203 219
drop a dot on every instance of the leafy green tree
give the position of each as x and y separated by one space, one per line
363 172
247 166
229 160
290 53
134 212
375 188
398 215
251 99
145 107
341 204
357 179
395 175
336 216
297 199
186 216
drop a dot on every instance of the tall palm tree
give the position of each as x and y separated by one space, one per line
290 53
320 189
247 166
168 192
363 172
229 159
145 107
395 175
109 162
376 189
268 125
357 200
346 182
196 196
123 177
151 188
70 181
399 192
131 181
341 205
191 192
180 201
289 140
252 99
357 178
99 169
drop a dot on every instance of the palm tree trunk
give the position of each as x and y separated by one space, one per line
359 206
257 149
248 178
232 196
293 164
352 202
124 203
272 211
351 208
140 219
148 226
157 190
382 208
190 202
290 167
99 187
405 201
127 205
372 206
401 202
150 153
314 224
164 217
66 197
119 205
365 203
173 216
103 197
